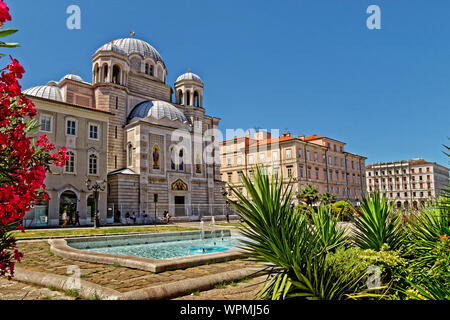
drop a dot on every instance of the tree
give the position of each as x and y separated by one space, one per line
327 198
23 161
308 195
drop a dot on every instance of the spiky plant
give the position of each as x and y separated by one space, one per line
308 195
284 239
326 227
377 224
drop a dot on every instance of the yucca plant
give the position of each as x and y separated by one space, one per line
429 289
325 226
377 224
284 239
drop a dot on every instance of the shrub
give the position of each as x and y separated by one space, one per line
343 210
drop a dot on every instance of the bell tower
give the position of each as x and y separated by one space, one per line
189 90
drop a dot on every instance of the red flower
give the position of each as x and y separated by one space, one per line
4 12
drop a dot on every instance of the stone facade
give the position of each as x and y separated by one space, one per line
149 146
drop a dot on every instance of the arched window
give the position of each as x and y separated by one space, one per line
151 70
96 74
181 160
93 168
147 69
172 159
180 97
196 99
155 157
130 155
70 164
105 73
198 163
116 74
188 98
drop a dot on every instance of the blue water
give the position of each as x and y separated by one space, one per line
173 249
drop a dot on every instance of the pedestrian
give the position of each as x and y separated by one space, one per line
64 219
97 218
145 217
133 217
77 218
127 217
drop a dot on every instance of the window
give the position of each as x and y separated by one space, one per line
230 176
300 154
308 156
130 155
250 159
330 161
71 124
93 131
288 153
342 164
229 162
93 164
315 156
335 161
341 150
115 162
274 156
155 155
70 164
181 160
262 157
331 175
353 164
428 169
301 172
239 161
115 132
289 171
309 173
172 159
334 148
46 123
317 173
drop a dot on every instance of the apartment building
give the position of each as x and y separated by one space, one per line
316 160
410 183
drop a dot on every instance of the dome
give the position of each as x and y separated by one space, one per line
189 76
131 45
73 77
49 91
157 109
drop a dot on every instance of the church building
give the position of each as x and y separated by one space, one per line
150 144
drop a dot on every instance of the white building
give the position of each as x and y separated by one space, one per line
407 182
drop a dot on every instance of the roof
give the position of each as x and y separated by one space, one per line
157 109
70 104
131 45
411 162
189 76
49 91
122 171
272 140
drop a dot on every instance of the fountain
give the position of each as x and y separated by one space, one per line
221 234
202 233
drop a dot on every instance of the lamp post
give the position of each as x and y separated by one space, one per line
96 187
227 209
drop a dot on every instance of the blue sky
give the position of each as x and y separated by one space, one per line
310 66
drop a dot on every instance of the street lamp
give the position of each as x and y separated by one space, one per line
95 187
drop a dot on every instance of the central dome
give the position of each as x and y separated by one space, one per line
131 45
157 109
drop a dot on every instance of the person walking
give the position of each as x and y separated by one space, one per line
133 217
144 215
127 217
64 219
77 218
97 218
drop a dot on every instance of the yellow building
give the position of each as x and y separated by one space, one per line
316 160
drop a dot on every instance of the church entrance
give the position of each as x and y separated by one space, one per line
179 206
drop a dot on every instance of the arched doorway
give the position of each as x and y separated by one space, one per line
67 202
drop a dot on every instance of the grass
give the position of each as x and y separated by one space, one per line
100 231
220 285
72 293
232 224
52 288
46 298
